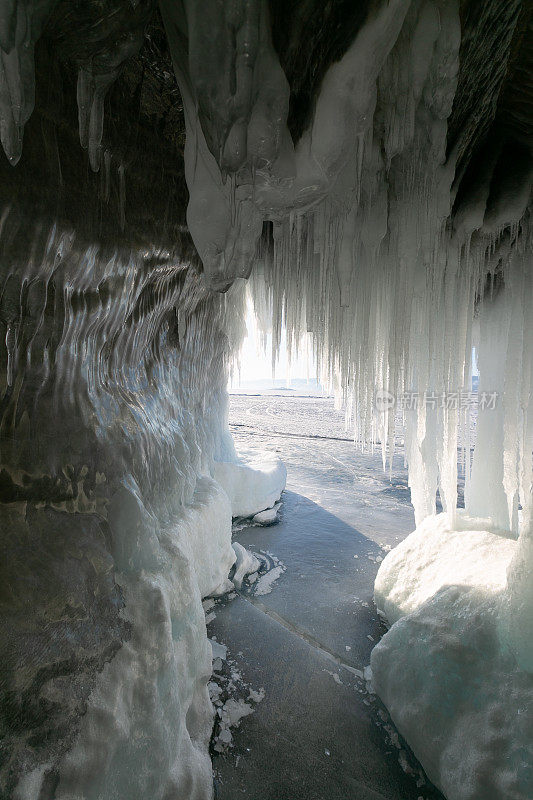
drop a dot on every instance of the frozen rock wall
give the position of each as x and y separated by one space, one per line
113 385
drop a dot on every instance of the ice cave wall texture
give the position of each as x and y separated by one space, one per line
367 166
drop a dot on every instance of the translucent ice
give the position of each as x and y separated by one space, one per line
21 24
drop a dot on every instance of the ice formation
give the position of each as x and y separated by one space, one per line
437 555
246 564
391 223
267 517
460 700
232 697
253 480
396 270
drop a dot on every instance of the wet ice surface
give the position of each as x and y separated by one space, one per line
318 733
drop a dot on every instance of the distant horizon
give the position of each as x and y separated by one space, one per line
296 386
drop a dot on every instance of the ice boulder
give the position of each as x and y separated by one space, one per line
458 698
253 483
454 690
436 555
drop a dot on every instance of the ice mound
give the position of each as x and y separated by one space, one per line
253 483
435 556
461 702
452 688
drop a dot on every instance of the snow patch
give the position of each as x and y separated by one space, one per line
266 582
232 697
219 650
334 675
268 517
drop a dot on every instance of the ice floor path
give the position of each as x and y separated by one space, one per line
317 735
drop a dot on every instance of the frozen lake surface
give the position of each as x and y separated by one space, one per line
289 413
317 734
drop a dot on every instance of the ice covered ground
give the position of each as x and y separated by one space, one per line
317 733
288 412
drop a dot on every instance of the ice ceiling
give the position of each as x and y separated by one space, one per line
368 167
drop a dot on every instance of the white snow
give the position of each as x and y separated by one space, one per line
232 697
334 675
230 715
457 698
436 555
265 583
257 696
219 650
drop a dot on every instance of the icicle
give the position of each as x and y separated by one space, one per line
91 94
21 24
8 25
11 342
84 94
122 195
107 177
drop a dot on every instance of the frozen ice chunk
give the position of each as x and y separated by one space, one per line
245 564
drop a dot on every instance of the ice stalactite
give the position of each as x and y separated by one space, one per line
366 250
501 484
241 164
21 23
365 270
94 80
237 131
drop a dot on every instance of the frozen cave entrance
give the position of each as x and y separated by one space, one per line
446 667
363 172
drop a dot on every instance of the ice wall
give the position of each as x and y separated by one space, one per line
113 372
113 382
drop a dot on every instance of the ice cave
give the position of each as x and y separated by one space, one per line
211 595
